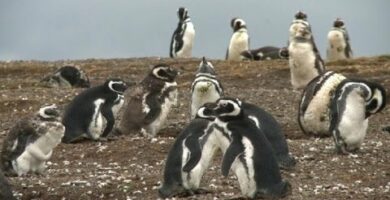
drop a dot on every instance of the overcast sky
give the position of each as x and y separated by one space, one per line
79 29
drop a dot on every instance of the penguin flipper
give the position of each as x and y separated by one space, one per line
109 116
235 149
196 153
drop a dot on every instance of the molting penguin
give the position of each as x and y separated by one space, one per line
265 53
91 114
190 156
353 102
313 116
30 143
67 76
339 47
304 59
183 37
5 188
148 105
205 88
239 41
299 21
247 152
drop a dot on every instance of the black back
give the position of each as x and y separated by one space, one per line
177 36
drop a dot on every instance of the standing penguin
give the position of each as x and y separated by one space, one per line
339 47
189 157
205 88
67 76
353 102
247 152
304 59
265 53
239 41
148 105
313 116
183 37
91 114
5 188
30 143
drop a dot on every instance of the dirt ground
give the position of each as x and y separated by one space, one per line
131 168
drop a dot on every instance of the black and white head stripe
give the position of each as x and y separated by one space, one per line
117 86
182 13
228 107
48 112
206 67
338 23
237 24
164 72
206 111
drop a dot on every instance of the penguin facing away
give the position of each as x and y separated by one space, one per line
304 60
147 107
205 88
248 154
30 143
265 53
5 188
313 116
91 114
339 47
239 41
183 37
354 101
67 76
189 157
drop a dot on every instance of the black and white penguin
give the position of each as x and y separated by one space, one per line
147 106
313 116
247 152
299 21
183 37
239 41
92 113
5 188
189 157
205 88
304 59
353 102
30 143
67 76
265 53
339 47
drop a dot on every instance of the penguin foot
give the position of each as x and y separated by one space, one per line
286 162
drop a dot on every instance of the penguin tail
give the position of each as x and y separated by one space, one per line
286 162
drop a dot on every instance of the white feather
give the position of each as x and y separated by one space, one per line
188 41
239 42
336 45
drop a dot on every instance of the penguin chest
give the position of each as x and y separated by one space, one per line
302 63
98 122
203 92
336 45
238 43
352 123
188 40
117 106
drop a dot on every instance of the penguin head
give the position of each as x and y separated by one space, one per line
338 23
83 80
301 15
237 24
377 99
164 72
246 55
49 112
227 108
74 75
182 13
206 111
303 32
283 53
116 85
205 67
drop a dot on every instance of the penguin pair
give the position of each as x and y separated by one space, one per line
333 105
239 41
265 53
92 113
183 37
205 88
30 143
67 76
305 61
339 47
147 106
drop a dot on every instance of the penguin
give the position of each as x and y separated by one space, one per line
5 188
299 21
67 76
247 152
30 143
91 114
205 88
189 157
265 53
313 115
239 41
339 47
273 133
147 107
353 103
183 37
305 61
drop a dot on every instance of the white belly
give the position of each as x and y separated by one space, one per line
98 123
336 46
302 64
188 41
204 92
238 43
